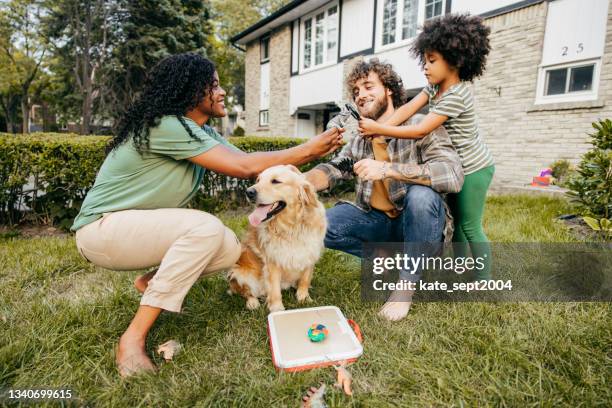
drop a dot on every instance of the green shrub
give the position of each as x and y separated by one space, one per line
591 186
239 131
561 171
44 177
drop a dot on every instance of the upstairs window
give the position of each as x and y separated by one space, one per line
264 47
320 37
399 19
433 8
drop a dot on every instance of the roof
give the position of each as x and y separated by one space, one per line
283 15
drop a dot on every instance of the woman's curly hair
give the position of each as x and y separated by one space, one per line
463 41
389 78
174 86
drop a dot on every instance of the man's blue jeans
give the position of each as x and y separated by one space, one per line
422 222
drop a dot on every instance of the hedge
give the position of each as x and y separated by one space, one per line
44 177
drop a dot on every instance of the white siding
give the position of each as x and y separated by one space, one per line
295 43
316 87
585 39
357 26
405 65
479 6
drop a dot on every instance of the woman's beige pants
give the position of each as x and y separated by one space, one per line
186 244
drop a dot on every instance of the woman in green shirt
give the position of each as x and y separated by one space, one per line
132 217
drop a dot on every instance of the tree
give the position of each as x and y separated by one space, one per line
21 44
84 30
149 32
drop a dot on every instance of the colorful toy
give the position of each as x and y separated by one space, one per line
317 332
544 179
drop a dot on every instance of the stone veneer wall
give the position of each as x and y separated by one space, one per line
522 137
281 123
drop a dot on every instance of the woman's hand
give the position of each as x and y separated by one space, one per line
325 143
369 169
368 127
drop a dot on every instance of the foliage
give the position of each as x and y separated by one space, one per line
44 177
239 131
591 186
561 172
602 226
23 51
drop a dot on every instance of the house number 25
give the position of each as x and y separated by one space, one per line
579 49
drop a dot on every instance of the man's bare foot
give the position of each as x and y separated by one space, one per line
397 306
141 282
131 357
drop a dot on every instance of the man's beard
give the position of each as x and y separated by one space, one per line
377 108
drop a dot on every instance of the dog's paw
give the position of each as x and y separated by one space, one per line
252 303
277 307
303 296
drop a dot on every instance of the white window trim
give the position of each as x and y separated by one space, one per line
380 4
312 16
568 97
262 124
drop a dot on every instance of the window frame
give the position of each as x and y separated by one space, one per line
399 42
576 96
302 49
266 113
262 59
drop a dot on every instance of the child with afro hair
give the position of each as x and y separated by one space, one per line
452 51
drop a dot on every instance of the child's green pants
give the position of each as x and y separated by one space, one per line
467 208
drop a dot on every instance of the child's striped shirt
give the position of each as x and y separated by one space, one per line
457 103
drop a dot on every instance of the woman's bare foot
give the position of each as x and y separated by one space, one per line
397 306
131 357
314 397
141 282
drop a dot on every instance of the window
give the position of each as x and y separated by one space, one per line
433 8
389 19
264 118
400 18
320 37
569 82
264 47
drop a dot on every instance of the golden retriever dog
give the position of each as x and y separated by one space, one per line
284 241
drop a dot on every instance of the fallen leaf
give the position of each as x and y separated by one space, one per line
169 349
344 380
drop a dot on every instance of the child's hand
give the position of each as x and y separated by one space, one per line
368 127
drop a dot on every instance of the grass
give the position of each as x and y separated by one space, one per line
60 318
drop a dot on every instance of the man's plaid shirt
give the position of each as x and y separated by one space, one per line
434 151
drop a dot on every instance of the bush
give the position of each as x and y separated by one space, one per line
591 186
561 172
44 177
239 131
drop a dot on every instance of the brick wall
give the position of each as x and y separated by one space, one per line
522 137
281 123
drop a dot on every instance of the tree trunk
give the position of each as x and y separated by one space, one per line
25 114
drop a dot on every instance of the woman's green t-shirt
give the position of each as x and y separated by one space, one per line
159 178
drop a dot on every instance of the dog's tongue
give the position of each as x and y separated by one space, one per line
259 214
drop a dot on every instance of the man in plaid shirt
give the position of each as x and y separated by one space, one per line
400 182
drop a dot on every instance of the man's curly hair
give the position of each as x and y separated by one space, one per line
389 78
174 86
463 41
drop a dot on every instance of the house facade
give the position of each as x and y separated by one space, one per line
547 78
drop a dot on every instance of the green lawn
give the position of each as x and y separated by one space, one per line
60 318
